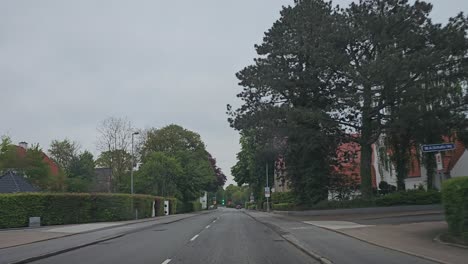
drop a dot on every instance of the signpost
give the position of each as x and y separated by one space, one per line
438 156
267 192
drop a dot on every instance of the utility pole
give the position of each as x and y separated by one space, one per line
131 172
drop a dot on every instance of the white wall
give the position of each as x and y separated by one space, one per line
461 168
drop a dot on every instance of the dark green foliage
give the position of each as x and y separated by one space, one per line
283 197
71 208
187 207
283 206
411 197
190 169
455 201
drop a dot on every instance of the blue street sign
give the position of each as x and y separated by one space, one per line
438 147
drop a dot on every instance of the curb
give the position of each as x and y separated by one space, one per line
382 246
440 241
55 253
292 240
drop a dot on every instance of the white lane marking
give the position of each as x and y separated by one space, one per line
214 221
208 226
195 237
166 261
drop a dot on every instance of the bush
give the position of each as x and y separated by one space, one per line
71 208
196 206
411 197
333 204
283 206
455 201
283 197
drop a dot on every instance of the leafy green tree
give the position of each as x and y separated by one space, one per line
63 152
189 150
120 162
159 176
81 172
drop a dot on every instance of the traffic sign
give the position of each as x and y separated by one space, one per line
438 147
267 192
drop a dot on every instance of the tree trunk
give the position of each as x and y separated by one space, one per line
366 145
401 170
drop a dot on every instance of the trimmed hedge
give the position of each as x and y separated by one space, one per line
410 197
283 206
455 201
187 207
72 208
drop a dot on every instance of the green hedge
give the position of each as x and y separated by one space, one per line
283 206
283 197
71 208
411 197
455 201
187 207
196 206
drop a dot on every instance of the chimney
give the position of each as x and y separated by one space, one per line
23 145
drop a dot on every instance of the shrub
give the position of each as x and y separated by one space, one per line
333 204
283 197
283 206
455 201
71 208
196 206
411 197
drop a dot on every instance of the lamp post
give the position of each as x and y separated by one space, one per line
133 162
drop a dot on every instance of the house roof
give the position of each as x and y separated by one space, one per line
12 182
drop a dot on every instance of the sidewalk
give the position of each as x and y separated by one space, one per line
349 242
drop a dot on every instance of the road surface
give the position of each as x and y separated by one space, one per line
225 236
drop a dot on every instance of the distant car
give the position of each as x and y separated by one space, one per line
238 206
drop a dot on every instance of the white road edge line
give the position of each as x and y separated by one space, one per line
195 237
166 261
208 226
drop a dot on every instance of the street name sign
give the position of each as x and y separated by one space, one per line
438 147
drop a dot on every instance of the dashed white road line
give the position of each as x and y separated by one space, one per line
195 237
208 226
166 261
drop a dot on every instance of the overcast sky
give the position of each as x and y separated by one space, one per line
67 65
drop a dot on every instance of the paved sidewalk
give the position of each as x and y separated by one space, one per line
414 238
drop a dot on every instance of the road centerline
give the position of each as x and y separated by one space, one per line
195 237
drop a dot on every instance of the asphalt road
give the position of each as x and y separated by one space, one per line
225 236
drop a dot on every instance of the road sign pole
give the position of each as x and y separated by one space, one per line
267 196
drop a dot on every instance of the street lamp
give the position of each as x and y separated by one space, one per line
133 162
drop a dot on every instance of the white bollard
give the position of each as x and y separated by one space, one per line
166 207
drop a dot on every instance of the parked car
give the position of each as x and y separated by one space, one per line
238 206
